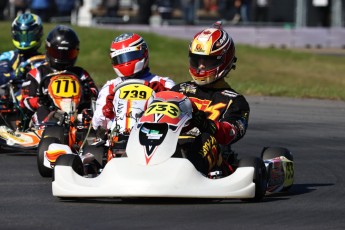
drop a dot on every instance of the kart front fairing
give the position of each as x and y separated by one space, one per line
149 170
17 139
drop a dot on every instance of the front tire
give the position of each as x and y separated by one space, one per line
71 160
43 146
260 176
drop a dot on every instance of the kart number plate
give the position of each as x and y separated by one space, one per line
64 86
135 92
165 108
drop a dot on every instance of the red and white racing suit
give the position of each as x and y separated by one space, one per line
104 113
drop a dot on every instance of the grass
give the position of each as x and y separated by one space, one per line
260 71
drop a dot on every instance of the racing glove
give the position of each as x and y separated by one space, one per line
87 116
204 124
108 108
22 70
101 133
156 86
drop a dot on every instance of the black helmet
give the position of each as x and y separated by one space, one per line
62 47
27 32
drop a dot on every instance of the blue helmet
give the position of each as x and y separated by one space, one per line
27 32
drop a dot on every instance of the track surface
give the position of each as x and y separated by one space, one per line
314 130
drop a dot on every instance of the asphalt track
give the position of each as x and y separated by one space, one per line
312 129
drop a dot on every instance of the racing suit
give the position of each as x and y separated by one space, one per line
104 112
15 64
227 111
33 103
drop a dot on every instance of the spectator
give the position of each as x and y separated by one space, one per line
3 5
42 8
165 8
188 7
111 6
20 6
144 12
64 7
261 10
210 5
323 13
246 7
237 9
224 9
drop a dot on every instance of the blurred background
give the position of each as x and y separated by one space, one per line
273 23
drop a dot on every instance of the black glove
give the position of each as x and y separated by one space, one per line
204 124
101 133
87 115
22 70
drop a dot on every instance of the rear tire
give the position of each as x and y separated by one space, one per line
43 146
273 152
260 177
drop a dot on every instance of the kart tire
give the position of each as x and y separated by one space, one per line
273 152
55 131
98 152
71 160
260 177
11 120
43 146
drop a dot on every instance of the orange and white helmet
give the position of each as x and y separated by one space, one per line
129 55
211 55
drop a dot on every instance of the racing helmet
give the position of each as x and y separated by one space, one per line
211 55
62 47
27 32
129 55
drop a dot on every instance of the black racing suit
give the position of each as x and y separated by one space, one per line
228 110
32 102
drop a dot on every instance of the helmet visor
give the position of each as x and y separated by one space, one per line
126 57
24 37
203 61
62 54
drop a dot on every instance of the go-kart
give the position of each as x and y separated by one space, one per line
129 102
65 124
13 120
151 167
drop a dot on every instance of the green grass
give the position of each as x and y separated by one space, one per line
260 71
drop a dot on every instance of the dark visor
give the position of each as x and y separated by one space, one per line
209 62
62 54
126 57
24 36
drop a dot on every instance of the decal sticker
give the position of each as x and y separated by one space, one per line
164 108
135 92
64 86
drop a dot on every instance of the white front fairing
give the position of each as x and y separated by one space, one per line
53 152
176 177
149 170
152 154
